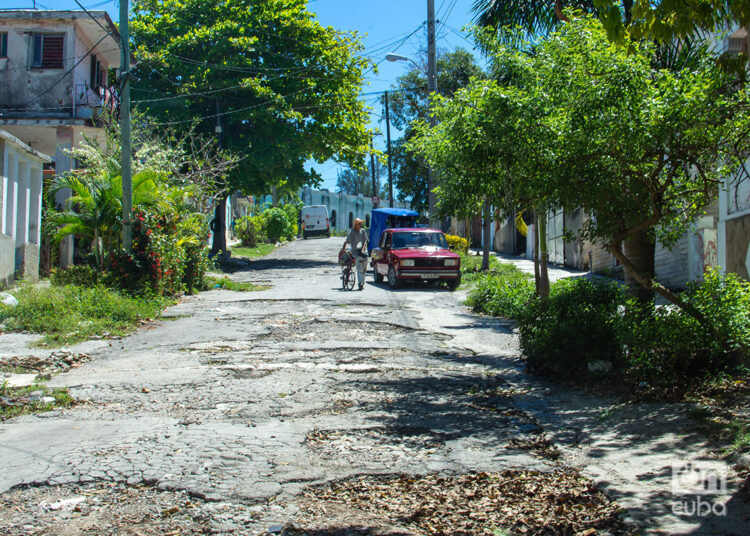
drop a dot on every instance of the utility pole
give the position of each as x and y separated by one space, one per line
127 181
375 192
432 88
388 141
219 243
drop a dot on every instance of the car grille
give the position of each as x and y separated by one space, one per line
428 261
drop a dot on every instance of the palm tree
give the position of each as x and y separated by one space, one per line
94 210
535 17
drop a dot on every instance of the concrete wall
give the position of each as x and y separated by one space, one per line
20 208
733 232
7 260
738 246
19 82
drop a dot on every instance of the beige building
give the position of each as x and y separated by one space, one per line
20 208
54 70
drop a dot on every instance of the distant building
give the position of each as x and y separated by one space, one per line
20 208
343 208
54 81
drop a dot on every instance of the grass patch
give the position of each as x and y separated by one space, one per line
261 250
15 401
471 267
229 284
68 314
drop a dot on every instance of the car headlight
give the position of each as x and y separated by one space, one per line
451 262
407 262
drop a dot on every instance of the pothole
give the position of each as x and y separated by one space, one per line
375 445
303 329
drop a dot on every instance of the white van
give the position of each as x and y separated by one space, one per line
314 221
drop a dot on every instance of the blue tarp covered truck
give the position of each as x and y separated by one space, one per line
388 218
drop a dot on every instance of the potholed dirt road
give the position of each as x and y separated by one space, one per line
221 417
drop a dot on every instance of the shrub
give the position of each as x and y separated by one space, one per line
292 211
458 244
575 326
83 275
193 237
250 230
666 347
156 263
277 224
504 292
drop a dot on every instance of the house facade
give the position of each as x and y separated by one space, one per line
54 82
20 208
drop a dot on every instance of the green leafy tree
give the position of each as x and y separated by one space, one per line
284 88
643 150
472 147
410 101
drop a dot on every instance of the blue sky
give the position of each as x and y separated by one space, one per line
385 26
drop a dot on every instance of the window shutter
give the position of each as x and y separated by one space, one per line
93 72
52 52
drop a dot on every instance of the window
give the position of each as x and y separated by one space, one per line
47 51
3 44
97 74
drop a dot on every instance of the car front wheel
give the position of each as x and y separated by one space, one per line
393 280
453 283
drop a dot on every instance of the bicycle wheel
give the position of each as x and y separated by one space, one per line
346 276
351 280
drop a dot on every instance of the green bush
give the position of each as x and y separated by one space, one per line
575 326
277 224
83 275
665 346
505 292
292 211
251 230
192 232
156 263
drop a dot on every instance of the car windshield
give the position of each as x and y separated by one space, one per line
406 239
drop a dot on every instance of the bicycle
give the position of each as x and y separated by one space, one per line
348 277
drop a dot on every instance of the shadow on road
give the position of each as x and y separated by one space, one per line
246 265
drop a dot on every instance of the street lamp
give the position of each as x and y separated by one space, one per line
392 56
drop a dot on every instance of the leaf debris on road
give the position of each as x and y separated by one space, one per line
559 503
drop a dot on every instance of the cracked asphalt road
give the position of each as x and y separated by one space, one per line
243 400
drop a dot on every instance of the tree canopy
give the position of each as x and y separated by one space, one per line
284 88
409 101
583 123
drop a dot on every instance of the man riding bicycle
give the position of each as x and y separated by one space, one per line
357 237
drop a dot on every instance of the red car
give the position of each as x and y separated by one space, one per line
416 255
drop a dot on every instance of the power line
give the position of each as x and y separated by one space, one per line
66 73
64 59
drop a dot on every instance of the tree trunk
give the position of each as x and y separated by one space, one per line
537 275
543 289
559 11
639 249
219 242
649 282
486 236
